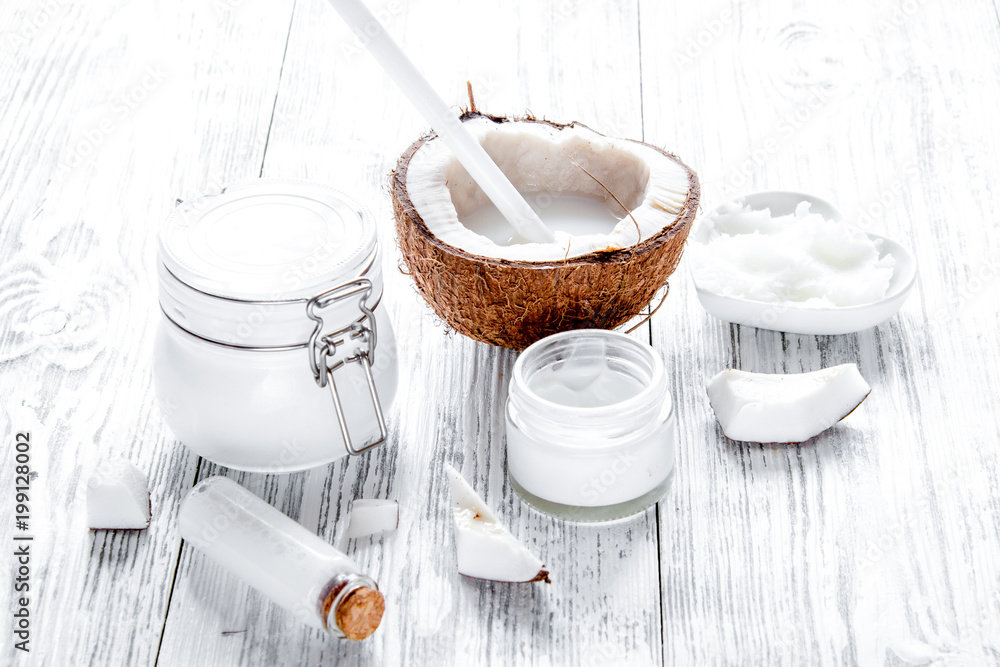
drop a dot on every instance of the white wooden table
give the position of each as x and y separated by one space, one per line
876 543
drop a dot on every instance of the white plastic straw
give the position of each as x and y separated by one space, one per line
461 142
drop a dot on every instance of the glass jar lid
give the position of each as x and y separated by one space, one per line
240 268
267 240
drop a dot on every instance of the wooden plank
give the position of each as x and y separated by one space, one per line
877 542
340 121
111 110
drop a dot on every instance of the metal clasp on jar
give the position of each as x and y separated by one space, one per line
357 345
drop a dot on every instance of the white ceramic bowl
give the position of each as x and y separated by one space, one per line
794 318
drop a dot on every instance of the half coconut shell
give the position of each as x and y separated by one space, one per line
514 303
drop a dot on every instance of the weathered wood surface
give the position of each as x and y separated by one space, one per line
876 543
110 111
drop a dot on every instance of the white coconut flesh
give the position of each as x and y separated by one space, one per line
117 497
543 160
372 516
486 549
762 407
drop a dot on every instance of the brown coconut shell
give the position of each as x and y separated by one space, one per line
515 303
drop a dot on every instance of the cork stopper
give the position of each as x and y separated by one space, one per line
359 614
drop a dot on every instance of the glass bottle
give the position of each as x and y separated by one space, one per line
280 558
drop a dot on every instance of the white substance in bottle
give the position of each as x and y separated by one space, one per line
575 215
268 550
801 258
590 426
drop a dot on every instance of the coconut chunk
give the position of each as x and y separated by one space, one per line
761 407
486 549
372 516
117 497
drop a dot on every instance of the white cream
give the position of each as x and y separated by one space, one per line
584 383
590 426
539 158
793 259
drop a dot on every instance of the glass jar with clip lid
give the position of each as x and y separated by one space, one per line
274 352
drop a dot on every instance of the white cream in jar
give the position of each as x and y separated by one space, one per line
274 351
590 426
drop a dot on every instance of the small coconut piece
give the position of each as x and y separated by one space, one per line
486 549
370 516
117 497
761 407
513 295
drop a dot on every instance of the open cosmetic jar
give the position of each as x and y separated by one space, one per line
274 352
590 426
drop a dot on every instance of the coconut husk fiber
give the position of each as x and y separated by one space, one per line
515 303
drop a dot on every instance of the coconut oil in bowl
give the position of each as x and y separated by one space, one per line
590 426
